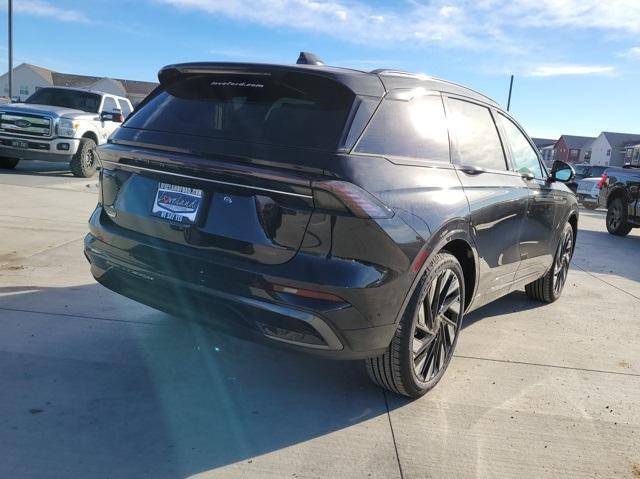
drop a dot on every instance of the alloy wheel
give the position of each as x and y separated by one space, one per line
615 216
561 263
437 325
89 158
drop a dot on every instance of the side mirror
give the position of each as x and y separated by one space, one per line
112 116
562 171
106 116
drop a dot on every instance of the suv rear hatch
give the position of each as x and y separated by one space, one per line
222 158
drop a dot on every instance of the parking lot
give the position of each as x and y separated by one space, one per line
95 385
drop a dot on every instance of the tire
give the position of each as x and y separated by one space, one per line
8 163
400 369
549 288
84 163
617 215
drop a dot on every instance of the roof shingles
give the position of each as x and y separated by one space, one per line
577 142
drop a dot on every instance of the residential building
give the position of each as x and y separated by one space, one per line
610 149
574 149
28 78
632 154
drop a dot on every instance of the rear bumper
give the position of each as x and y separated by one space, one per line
587 198
233 301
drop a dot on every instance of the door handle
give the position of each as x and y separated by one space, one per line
471 169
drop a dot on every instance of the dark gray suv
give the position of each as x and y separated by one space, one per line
356 215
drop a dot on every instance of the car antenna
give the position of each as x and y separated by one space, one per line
307 58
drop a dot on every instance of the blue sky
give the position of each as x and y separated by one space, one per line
577 62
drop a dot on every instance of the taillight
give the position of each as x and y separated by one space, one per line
602 181
356 200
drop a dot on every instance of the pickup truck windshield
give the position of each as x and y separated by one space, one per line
74 99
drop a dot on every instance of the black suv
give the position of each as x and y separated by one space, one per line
357 215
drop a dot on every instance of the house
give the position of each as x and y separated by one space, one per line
610 149
28 78
573 149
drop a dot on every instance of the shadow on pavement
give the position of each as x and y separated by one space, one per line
41 168
95 385
164 398
516 301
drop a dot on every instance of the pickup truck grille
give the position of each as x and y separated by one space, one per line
24 124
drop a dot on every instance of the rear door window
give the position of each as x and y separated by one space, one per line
478 143
412 129
124 107
109 104
290 109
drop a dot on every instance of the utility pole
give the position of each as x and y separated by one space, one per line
510 89
10 13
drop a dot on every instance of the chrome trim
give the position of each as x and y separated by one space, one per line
197 178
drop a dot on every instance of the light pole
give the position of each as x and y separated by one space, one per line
10 50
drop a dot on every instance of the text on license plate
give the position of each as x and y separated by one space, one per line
19 144
177 203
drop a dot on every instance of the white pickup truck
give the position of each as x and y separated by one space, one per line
60 124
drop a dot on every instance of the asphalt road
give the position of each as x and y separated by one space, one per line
96 385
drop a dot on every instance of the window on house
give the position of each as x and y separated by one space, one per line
24 90
587 155
608 152
574 155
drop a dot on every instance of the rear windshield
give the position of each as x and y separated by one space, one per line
74 99
291 109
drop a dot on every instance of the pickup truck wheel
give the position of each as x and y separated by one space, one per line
423 344
8 163
84 162
617 218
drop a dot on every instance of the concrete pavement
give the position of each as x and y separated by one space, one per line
96 385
